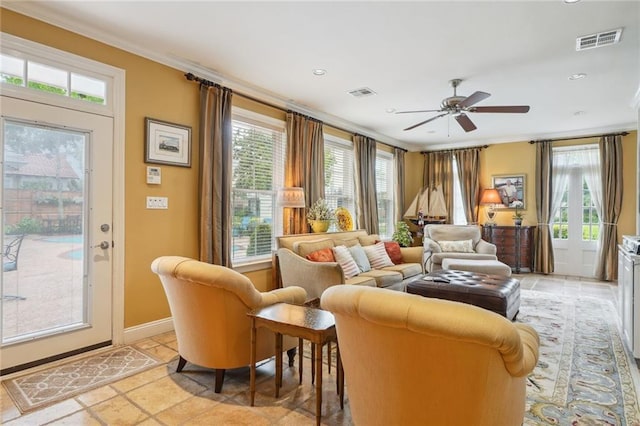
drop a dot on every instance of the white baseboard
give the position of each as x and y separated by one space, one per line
144 331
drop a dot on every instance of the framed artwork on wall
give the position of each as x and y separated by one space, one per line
512 190
167 143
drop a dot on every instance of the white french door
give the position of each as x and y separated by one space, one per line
57 203
575 228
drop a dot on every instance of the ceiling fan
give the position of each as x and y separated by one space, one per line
459 105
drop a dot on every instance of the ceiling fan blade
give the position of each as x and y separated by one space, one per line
473 99
426 121
465 122
512 108
422 110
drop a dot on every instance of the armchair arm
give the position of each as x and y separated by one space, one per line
412 254
431 246
314 277
485 247
527 357
295 295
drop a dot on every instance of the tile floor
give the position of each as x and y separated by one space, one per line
162 397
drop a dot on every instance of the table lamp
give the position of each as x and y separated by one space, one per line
490 197
292 198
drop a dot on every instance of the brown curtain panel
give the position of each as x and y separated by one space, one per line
215 175
612 186
398 211
366 198
438 169
469 176
543 256
304 164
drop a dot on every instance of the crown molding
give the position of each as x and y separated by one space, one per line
34 10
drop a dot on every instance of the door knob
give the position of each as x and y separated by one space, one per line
103 245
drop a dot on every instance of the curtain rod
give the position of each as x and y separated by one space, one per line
189 76
456 149
580 137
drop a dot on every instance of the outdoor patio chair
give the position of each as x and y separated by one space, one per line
10 254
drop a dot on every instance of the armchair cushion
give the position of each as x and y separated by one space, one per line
322 255
461 246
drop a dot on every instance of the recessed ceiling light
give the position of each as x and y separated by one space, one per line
577 113
319 71
431 131
577 76
571 1
390 110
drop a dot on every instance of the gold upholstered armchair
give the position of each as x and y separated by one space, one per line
209 305
438 362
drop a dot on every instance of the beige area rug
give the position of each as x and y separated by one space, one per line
46 387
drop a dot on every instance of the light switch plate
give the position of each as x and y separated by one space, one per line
158 203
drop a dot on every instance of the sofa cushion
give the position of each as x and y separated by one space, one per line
348 265
383 278
303 248
368 240
393 250
460 246
407 270
322 255
377 255
361 280
360 257
348 242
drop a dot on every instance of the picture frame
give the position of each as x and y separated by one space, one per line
167 143
512 189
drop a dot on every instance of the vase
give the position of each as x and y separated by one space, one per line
320 225
517 222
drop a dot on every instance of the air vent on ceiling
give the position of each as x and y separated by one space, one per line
604 38
363 91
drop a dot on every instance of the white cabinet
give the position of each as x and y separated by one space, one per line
629 299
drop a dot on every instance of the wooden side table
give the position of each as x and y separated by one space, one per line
303 322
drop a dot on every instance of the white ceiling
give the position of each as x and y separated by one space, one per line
519 52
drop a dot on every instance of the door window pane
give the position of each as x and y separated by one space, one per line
43 278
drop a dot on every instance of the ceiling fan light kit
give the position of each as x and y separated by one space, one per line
458 106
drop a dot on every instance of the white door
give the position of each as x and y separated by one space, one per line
575 228
57 208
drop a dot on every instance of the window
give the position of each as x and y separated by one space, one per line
459 218
258 171
339 184
51 79
384 191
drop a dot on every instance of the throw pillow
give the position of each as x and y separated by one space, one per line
360 257
377 255
323 255
393 250
461 246
343 257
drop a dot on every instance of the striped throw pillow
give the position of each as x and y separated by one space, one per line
343 257
378 257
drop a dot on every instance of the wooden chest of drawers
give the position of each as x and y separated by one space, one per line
514 245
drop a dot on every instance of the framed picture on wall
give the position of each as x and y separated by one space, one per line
512 190
167 143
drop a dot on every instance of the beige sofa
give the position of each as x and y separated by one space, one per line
315 277
413 360
454 242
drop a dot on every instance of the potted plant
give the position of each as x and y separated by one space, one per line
402 234
517 217
320 215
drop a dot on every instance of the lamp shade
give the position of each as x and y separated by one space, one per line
490 196
290 197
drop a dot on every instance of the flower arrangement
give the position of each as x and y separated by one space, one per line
320 211
402 235
518 214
